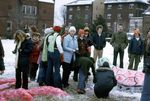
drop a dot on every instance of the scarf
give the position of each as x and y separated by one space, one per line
52 42
17 55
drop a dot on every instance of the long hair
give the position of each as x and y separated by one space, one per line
22 36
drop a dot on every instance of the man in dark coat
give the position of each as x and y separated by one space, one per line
104 81
84 64
2 67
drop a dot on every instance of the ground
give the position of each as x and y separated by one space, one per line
115 95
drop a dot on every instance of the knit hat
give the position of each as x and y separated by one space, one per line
81 31
57 28
66 29
137 31
72 28
28 34
86 29
48 30
102 61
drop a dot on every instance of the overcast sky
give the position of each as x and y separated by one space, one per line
58 6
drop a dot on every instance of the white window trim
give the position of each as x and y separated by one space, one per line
10 25
86 7
78 8
70 16
108 25
25 9
96 7
118 16
130 7
69 24
109 7
70 8
43 29
108 16
30 9
86 16
130 14
34 7
119 6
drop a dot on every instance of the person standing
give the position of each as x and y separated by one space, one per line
33 67
52 44
83 64
66 33
89 40
2 67
23 49
69 47
146 43
119 41
135 50
99 42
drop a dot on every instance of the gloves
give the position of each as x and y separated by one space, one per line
61 58
89 49
2 72
129 55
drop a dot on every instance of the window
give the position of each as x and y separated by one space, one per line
131 6
70 16
96 7
9 7
119 16
86 16
78 8
101 3
34 10
9 25
69 24
70 8
96 16
135 24
43 27
24 9
86 24
109 7
86 7
29 9
108 25
120 6
44 11
130 15
108 16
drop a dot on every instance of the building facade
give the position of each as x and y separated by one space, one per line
21 14
98 8
121 11
79 6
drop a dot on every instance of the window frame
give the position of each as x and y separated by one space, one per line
108 15
119 6
24 11
10 28
119 14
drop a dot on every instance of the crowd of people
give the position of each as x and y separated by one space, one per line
48 53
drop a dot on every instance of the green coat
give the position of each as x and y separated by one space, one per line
119 40
84 63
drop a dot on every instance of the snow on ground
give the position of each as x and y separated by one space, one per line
9 61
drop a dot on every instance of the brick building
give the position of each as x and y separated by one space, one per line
31 12
85 7
120 11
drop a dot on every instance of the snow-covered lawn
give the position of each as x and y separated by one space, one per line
9 61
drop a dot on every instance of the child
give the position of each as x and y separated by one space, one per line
84 64
23 49
104 80
2 67
34 56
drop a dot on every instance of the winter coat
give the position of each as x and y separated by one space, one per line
119 40
136 47
35 54
89 40
145 45
2 67
84 63
82 45
24 55
69 44
99 42
104 81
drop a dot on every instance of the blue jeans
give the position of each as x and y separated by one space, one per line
146 89
53 78
42 72
82 77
